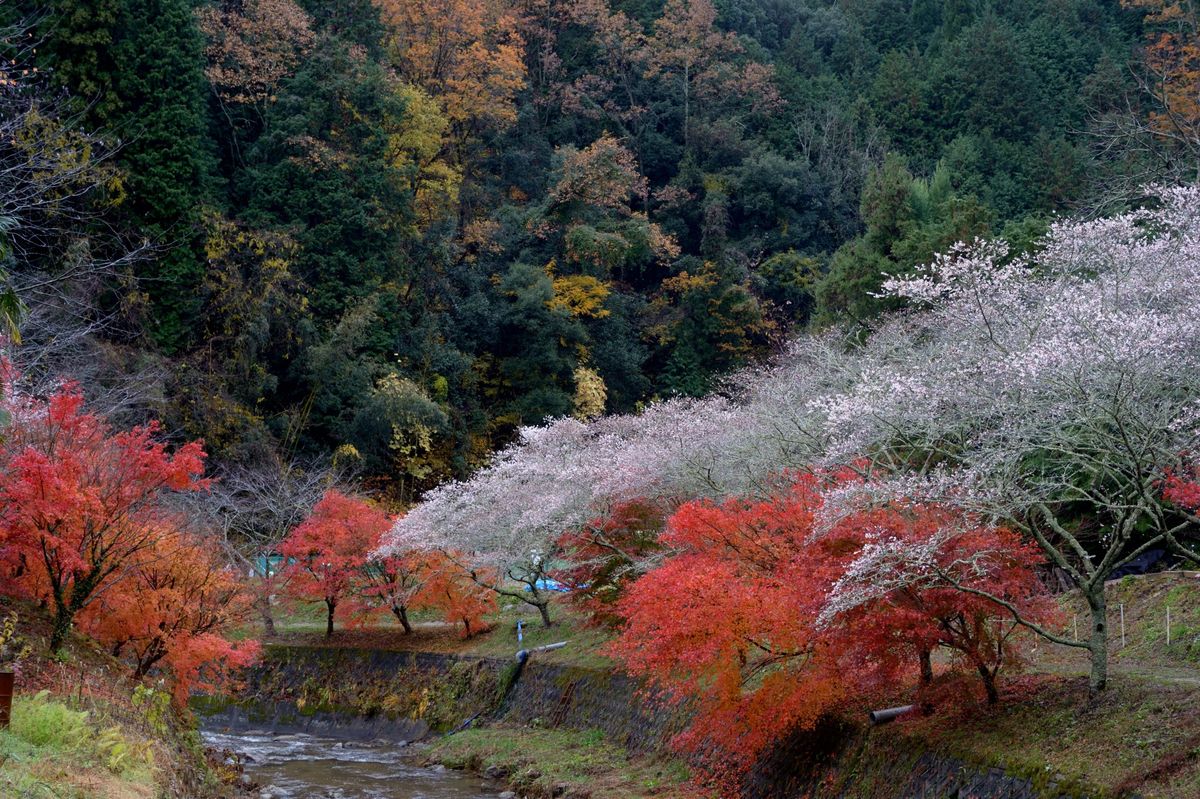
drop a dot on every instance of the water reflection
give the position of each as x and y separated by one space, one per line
302 766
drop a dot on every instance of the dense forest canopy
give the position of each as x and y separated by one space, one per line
391 232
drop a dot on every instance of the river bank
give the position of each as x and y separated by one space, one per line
81 729
1045 738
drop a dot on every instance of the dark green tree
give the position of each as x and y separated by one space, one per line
167 156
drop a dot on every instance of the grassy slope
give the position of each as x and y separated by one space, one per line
1142 737
82 730
567 763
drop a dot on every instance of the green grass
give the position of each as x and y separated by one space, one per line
305 625
53 751
1139 736
1145 600
544 763
584 642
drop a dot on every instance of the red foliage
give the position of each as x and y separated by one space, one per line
1183 489
607 554
457 593
729 620
738 620
326 552
938 607
175 608
80 502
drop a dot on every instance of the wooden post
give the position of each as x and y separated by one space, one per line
6 697
1122 625
1168 625
1075 626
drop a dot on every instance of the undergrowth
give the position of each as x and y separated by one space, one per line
53 751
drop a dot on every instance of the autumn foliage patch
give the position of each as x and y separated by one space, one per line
770 614
85 531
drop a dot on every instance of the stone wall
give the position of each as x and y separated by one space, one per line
843 761
549 695
441 691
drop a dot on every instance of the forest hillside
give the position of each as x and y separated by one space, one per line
384 234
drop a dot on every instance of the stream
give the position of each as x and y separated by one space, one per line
308 766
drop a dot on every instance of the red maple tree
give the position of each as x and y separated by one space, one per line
176 609
80 502
327 552
738 619
607 554
393 584
944 596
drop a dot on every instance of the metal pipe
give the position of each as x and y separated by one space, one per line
889 714
523 654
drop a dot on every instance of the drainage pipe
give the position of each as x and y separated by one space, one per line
524 654
889 714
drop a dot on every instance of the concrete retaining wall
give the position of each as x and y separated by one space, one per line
548 695
401 694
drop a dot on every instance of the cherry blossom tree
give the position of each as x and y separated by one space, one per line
1052 392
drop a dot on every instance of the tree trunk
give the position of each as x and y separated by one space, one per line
402 615
544 609
926 679
989 684
467 626
1098 642
329 618
62 627
268 618
926 667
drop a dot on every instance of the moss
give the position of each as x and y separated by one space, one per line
544 763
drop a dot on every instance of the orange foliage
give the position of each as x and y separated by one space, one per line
604 174
1173 58
175 607
252 46
83 529
80 503
457 593
467 53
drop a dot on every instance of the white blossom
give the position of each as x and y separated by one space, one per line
1068 376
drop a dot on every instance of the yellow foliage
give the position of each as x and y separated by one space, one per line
684 282
581 296
416 146
346 453
590 393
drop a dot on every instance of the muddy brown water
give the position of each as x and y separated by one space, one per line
316 766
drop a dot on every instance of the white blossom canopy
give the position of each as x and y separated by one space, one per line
1011 385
